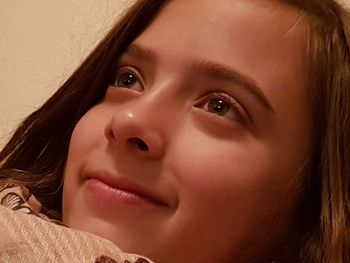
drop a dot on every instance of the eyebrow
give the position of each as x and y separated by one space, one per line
140 52
211 70
224 73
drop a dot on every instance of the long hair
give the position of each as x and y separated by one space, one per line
36 154
326 197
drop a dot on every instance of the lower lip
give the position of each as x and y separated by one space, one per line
105 194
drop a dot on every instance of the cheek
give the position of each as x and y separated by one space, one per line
229 169
235 186
87 136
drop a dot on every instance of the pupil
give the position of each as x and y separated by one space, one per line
128 80
218 106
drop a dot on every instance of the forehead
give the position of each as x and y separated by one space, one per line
269 29
264 39
274 18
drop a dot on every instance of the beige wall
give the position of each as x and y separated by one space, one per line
41 42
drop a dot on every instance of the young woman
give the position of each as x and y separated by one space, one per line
202 131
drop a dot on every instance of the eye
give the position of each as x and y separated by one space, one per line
224 106
129 79
218 106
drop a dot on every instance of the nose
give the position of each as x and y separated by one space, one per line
131 130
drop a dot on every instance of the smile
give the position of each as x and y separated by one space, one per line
112 191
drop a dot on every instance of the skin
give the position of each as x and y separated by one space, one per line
228 178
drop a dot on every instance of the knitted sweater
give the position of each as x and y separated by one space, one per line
27 235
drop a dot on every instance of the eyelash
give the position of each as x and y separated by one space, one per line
231 102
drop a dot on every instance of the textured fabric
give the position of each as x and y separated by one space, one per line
26 235
18 198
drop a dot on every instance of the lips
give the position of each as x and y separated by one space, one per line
117 189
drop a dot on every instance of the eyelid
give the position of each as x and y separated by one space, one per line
129 69
125 61
125 68
244 116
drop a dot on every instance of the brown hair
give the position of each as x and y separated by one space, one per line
36 154
326 196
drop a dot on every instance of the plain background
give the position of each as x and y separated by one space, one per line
41 43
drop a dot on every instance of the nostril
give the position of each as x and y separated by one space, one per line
139 143
143 146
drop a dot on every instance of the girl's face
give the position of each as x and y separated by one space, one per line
195 153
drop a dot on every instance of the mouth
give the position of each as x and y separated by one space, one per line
114 190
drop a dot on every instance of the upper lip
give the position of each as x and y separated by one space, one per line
127 185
